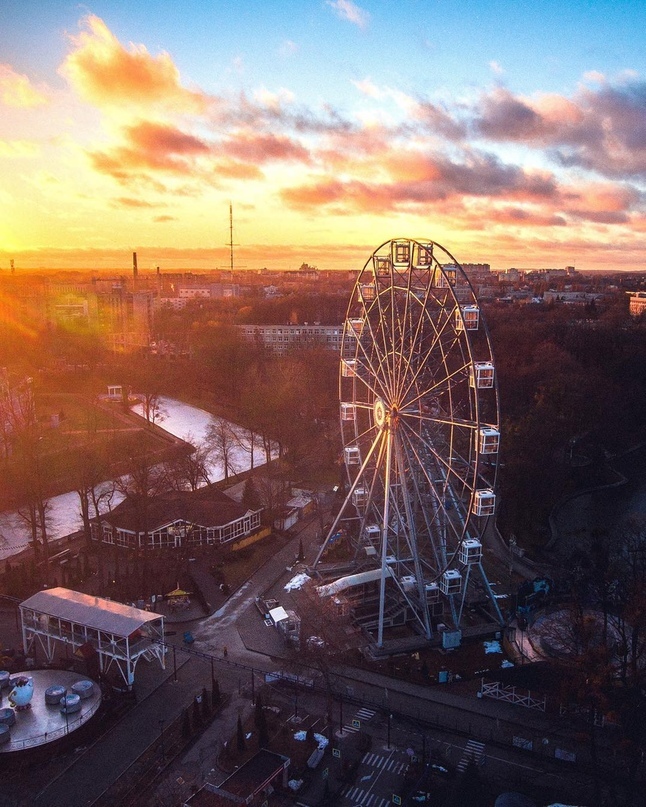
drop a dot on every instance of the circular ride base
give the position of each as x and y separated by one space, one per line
44 723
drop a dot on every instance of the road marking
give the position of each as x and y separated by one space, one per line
365 714
511 762
473 752
385 763
363 798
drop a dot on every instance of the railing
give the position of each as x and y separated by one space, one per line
499 692
48 736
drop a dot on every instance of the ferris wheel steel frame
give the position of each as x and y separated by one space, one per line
419 416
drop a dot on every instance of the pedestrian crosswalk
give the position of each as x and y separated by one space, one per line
363 797
473 752
373 766
363 715
385 763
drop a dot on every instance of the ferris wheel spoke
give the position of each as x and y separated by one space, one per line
454 421
394 336
372 501
443 521
372 371
461 373
384 343
428 353
447 466
369 390
360 436
411 457
379 350
405 330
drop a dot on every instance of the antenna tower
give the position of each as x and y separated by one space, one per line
231 244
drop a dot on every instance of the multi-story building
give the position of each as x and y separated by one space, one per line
125 319
280 339
637 303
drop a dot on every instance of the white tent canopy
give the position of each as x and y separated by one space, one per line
120 634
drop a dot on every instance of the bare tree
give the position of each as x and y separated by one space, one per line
190 469
153 409
143 481
26 472
222 441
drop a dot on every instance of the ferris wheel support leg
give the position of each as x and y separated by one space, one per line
346 501
465 587
384 542
454 613
492 595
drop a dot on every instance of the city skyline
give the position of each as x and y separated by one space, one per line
511 134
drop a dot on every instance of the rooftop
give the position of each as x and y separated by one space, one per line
95 612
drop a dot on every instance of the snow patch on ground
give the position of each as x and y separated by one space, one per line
321 740
492 647
297 582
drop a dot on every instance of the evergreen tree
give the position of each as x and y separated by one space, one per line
206 706
240 739
259 712
186 725
260 719
250 495
197 715
215 692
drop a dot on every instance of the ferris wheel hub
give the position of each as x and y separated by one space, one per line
380 412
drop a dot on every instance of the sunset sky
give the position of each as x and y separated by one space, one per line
513 133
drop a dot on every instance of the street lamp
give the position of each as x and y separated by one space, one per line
161 737
512 551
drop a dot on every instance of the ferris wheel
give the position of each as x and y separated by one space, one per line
419 419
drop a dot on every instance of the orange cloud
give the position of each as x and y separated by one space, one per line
17 91
151 146
261 148
126 201
107 74
417 180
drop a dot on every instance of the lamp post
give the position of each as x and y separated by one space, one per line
161 738
512 551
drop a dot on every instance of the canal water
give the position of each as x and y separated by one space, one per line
182 420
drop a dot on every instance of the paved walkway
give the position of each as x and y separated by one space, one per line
161 699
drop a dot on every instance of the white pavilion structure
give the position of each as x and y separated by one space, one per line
120 634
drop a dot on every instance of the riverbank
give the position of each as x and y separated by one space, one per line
180 426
